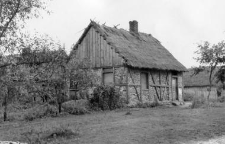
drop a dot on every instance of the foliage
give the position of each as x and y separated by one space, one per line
220 76
188 97
34 65
198 102
82 76
40 111
50 135
42 71
33 137
210 56
60 132
78 107
221 99
146 105
26 61
13 15
105 98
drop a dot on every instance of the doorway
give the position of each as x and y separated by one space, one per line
174 88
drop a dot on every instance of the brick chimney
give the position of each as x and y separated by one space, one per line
134 26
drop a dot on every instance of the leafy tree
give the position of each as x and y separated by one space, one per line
210 56
28 61
220 76
35 56
13 17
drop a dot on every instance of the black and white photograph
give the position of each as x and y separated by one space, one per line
112 72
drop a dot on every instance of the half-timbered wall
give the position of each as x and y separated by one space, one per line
101 54
159 86
120 82
134 87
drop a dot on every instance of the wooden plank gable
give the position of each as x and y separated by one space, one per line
95 47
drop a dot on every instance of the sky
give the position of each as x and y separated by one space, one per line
180 25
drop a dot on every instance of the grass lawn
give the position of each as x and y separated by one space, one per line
160 125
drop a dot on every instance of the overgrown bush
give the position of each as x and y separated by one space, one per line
49 135
188 97
76 107
105 98
60 132
221 99
146 105
198 102
40 111
122 103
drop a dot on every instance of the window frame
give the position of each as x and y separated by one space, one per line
107 71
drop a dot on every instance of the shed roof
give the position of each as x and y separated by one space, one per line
199 80
138 50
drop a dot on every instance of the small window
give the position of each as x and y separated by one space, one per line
107 76
144 81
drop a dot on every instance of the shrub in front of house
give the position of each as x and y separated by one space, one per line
77 107
41 111
60 132
145 105
105 98
188 97
221 99
198 102
49 135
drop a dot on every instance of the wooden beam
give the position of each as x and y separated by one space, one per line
110 55
114 82
154 84
108 70
118 66
120 84
160 90
88 44
91 46
134 85
113 53
96 50
102 52
128 99
94 46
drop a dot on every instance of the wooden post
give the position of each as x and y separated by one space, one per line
127 86
94 48
91 46
160 89
157 95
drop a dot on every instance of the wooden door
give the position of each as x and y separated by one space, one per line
174 89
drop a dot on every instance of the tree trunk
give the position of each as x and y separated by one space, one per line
5 112
60 107
5 103
210 84
208 95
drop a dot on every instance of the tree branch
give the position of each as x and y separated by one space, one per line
11 18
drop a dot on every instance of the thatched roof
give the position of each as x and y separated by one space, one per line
199 80
138 50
